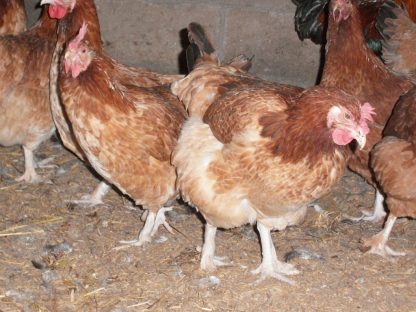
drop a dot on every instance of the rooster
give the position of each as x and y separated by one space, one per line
80 11
127 132
252 153
24 92
397 178
13 17
311 19
352 67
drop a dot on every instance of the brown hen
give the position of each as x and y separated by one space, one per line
127 132
24 91
394 158
255 151
80 12
354 68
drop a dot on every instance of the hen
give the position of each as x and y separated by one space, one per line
257 154
25 117
12 17
397 178
352 67
126 131
80 11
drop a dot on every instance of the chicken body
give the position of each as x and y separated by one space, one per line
25 117
260 152
80 12
397 178
354 68
127 132
13 17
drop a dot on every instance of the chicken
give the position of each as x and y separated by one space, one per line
311 19
81 11
127 132
399 44
25 117
397 178
352 67
257 154
12 17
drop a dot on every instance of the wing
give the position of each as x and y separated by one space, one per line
402 122
241 108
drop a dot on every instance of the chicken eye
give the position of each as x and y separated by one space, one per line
84 50
347 116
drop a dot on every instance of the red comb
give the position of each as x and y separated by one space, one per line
366 111
81 34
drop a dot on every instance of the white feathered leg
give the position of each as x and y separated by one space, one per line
270 265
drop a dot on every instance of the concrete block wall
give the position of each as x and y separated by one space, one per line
148 33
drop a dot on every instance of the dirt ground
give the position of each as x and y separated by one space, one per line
58 257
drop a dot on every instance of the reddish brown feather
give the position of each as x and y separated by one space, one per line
12 17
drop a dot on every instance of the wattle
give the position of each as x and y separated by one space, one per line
341 137
56 11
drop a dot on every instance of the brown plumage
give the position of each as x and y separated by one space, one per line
80 12
257 151
13 17
394 159
126 131
24 91
354 68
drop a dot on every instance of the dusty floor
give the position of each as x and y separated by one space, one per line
56 257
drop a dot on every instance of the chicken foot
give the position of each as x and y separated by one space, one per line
270 265
94 199
153 221
209 261
378 213
30 175
377 244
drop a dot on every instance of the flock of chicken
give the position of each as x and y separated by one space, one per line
236 147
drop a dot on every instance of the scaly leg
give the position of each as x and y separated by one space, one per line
30 175
96 198
270 266
377 215
377 244
208 260
151 225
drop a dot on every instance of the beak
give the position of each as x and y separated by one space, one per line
361 138
43 2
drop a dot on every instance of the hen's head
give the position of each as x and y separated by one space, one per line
59 8
340 10
78 55
348 122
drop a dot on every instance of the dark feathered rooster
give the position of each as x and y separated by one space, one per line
311 19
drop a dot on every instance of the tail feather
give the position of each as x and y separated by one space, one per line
388 11
310 19
200 47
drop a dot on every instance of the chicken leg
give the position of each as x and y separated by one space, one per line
153 221
209 261
94 199
270 265
377 244
30 175
378 213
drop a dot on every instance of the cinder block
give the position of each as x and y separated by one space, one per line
140 33
271 38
